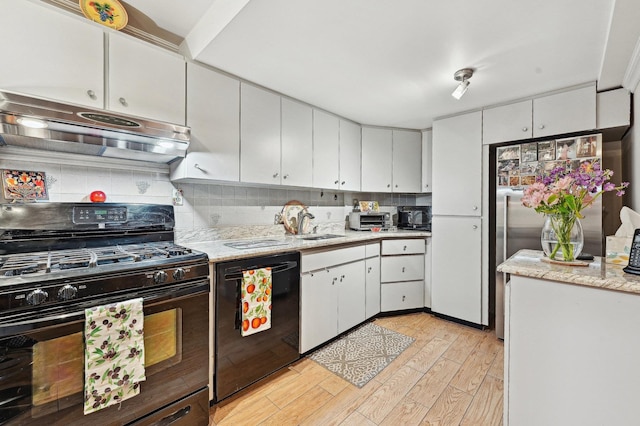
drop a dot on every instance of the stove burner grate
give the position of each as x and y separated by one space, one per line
47 262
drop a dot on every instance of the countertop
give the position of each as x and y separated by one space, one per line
218 251
529 263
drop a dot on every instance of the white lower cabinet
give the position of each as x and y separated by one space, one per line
372 267
332 294
351 294
402 274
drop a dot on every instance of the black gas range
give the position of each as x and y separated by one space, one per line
58 260
59 252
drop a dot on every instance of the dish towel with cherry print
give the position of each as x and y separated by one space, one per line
256 301
113 353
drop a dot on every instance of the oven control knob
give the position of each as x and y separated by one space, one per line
36 297
179 274
67 292
159 277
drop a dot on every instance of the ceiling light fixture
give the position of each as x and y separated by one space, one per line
463 77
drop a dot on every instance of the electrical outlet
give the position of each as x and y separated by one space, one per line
178 197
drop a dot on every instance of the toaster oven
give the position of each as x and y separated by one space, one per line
365 221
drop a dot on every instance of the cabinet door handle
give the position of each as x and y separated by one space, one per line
343 182
276 174
403 297
404 248
369 270
524 129
396 185
403 269
475 226
336 182
541 126
388 185
92 94
123 101
475 208
334 281
426 185
285 176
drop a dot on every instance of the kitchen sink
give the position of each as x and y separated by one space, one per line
317 237
254 244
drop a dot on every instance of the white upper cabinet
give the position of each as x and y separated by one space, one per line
507 123
457 171
614 109
427 136
259 135
326 150
407 160
350 152
377 153
145 80
213 113
50 54
565 112
297 144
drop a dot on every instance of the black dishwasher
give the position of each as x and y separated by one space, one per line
241 361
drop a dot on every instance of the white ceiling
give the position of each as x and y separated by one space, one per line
391 63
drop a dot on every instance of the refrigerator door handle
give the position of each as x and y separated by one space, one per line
505 226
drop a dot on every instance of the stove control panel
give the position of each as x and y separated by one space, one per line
99 214
88 287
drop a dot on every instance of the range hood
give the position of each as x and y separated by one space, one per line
47 125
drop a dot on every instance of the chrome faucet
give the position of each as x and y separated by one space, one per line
301 216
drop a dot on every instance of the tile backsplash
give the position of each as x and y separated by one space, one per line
204 205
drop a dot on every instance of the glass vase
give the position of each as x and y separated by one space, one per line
562 237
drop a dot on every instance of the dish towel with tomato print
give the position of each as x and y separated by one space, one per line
256 300
113 353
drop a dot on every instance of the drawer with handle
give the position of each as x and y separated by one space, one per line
404 295
404 246
402 268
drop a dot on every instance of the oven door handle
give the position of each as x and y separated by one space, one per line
20 324
275 269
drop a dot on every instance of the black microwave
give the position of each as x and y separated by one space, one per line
414 217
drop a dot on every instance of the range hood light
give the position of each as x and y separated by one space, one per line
32 123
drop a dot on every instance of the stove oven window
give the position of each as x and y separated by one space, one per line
58 363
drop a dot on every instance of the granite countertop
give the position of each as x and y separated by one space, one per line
218 251
529 263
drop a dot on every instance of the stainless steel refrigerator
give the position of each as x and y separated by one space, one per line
518 227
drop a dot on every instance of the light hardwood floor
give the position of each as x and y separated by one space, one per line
450 375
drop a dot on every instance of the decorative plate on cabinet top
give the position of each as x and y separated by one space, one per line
109 13
290 213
